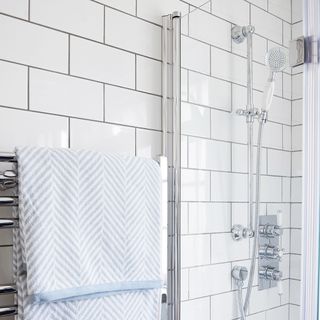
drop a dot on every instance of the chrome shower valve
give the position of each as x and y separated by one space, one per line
271 252
270 230
270 273
240 232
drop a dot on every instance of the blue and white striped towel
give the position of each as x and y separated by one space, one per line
88 246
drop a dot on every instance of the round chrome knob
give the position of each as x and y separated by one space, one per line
239 273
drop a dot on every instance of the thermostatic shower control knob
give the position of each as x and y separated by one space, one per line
239 232
270 252
270 273
270 230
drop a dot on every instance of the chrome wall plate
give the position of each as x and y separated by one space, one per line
297 52
269 253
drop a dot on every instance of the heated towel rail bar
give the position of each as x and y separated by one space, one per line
7 181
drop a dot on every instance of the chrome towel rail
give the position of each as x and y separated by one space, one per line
8 157
8 311
8 180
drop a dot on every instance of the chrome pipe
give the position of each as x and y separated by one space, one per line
9 223
8 201
8 157
8 289
8 311
176 76
165 44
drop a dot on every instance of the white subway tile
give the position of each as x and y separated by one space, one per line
102 137
55 93
294 311
260 3
30 128
296 215
274 208
228 66
228 126
17 8
225 249
278 313
148 143
209 154
14 85
286 34
184 151
132 108
184 84
6 265
272 135
195 120
285 239
295 266
284 266
287 87
209 91
297 163
208 280
239 158
228 187
240 213
105 64
279 162
195 250
235 11
202 24
184 284
282 9
266 24
123 5
84 18
296 189
264 299
196 309
280 111
153 10
295 288
195 185
190 49
33 45
297 11
224 306
297 138
297 30
270 189
286 189
297 107
148 75
297 86
132 34
209 217
286 130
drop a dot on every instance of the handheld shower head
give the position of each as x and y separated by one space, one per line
276 60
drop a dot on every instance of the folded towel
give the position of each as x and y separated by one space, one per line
88 246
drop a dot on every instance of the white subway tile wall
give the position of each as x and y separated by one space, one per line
87 74
214 141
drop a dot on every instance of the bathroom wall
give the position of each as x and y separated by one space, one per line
87 74
80 74
214 177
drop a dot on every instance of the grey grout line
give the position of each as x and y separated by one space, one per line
69 54
104 25
28 88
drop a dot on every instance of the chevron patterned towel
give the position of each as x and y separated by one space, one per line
88 246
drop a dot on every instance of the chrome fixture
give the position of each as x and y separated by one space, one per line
239 232
276 60
270 253
240 33
297 56
240 274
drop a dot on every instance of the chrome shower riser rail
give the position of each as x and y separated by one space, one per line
8 311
